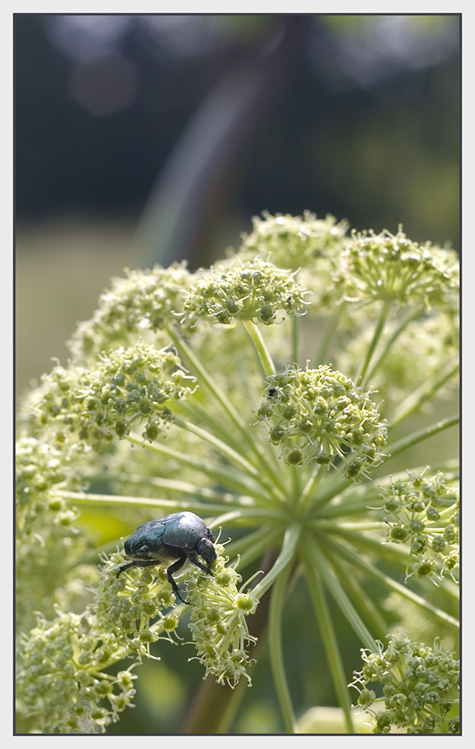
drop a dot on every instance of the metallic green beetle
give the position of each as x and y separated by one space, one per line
180 536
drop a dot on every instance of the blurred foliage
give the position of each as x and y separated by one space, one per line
358 116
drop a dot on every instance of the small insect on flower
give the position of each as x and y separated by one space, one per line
180 536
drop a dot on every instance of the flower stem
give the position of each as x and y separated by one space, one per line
358 561
265 360
412 439
328 634
295 339
421 395
328 333
275 649
307 495
223 448
361 379
205 378
253 545
243 484
332 583
286 555
360 597
170 505
184 488
389 342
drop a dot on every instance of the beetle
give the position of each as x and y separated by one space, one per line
180 536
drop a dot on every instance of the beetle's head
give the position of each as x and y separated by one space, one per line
205 549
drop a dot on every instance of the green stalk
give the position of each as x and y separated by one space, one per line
394 554
253 545
334 486
220 476
328 334
422 395
195 412
330 640
227 406
361 378
275 650
221 447
295 339
183 487
357 498
170 505
207 380
308 492
412 439
326 573
296 488
357 561
359 596
286 555
264 358
390 340
249 516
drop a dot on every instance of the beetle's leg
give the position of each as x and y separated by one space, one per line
170 571
194 560
138 563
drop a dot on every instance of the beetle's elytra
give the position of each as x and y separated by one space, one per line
180 536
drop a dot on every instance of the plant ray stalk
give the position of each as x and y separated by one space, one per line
392 584
414 401
204 377
277 600
412 439
361 378
327 574
329 638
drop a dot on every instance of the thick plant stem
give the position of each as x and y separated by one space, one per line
276 652
328 635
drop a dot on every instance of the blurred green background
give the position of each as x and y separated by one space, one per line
143 139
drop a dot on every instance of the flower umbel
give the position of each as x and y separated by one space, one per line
143 302
256 291
319 415
128 387
420 687
293 241
62 682
424 513
386 266
218 622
